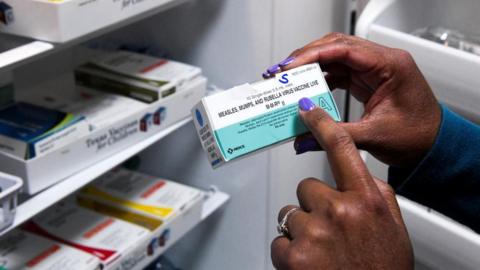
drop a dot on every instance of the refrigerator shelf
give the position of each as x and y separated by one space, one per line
214 200
452 73
18 49
31 206
439 241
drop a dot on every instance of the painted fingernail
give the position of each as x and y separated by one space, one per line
266 75
306 104
273 69
306 145
287 61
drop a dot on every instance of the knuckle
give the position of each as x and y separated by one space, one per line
315 232
305 185
335 35
294 258
340 140
375 205
338 211
318 118
403 54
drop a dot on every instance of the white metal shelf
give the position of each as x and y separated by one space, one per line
213 202
16 51
439 241
37 203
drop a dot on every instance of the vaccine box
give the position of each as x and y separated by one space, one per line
65 20
118 244
143 194
23 250
167 209
135 75
250 117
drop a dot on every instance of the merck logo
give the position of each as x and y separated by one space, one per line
284 79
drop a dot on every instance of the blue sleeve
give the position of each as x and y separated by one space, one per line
448 178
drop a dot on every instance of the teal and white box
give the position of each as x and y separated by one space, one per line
250 117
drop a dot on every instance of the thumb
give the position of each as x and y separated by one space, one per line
359 131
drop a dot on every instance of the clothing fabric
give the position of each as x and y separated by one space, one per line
448 178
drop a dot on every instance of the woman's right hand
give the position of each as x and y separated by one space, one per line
402 115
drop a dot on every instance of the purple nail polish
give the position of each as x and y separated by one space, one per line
306 145
287 61
266 75
306 104
273 69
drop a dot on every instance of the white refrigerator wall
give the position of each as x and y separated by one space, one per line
234 42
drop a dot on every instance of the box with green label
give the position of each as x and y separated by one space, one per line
250 117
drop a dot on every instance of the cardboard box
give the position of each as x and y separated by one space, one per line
40 173
99 109
64 20
23 250
250 117
28 131
166 208
117 243
135 75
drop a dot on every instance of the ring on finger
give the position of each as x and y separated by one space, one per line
282 226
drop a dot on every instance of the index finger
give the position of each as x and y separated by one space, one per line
347 166
351 52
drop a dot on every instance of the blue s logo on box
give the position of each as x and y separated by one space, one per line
198 114
284 79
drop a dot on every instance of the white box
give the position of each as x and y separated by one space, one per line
251 117
100 109
23 250
40 173
117 243
166 208
135 75
64 20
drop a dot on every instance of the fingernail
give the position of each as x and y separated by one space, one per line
306 145
306 104
287 61
266 75
273 69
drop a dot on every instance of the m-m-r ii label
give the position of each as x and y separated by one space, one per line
255 116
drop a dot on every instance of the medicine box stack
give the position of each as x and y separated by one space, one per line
118 244
23 250
28 131
100 109
246 118
75 126
166 208
64 20
138 76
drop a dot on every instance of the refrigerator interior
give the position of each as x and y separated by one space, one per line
233 42
439 242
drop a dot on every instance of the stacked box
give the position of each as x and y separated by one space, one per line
23 250
28 131
100 109
118 244
138 76
166 208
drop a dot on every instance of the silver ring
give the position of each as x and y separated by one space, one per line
282 226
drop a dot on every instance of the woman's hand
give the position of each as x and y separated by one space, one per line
356 226
402 116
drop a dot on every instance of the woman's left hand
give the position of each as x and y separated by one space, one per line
358 225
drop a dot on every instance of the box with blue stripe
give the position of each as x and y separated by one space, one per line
251 117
